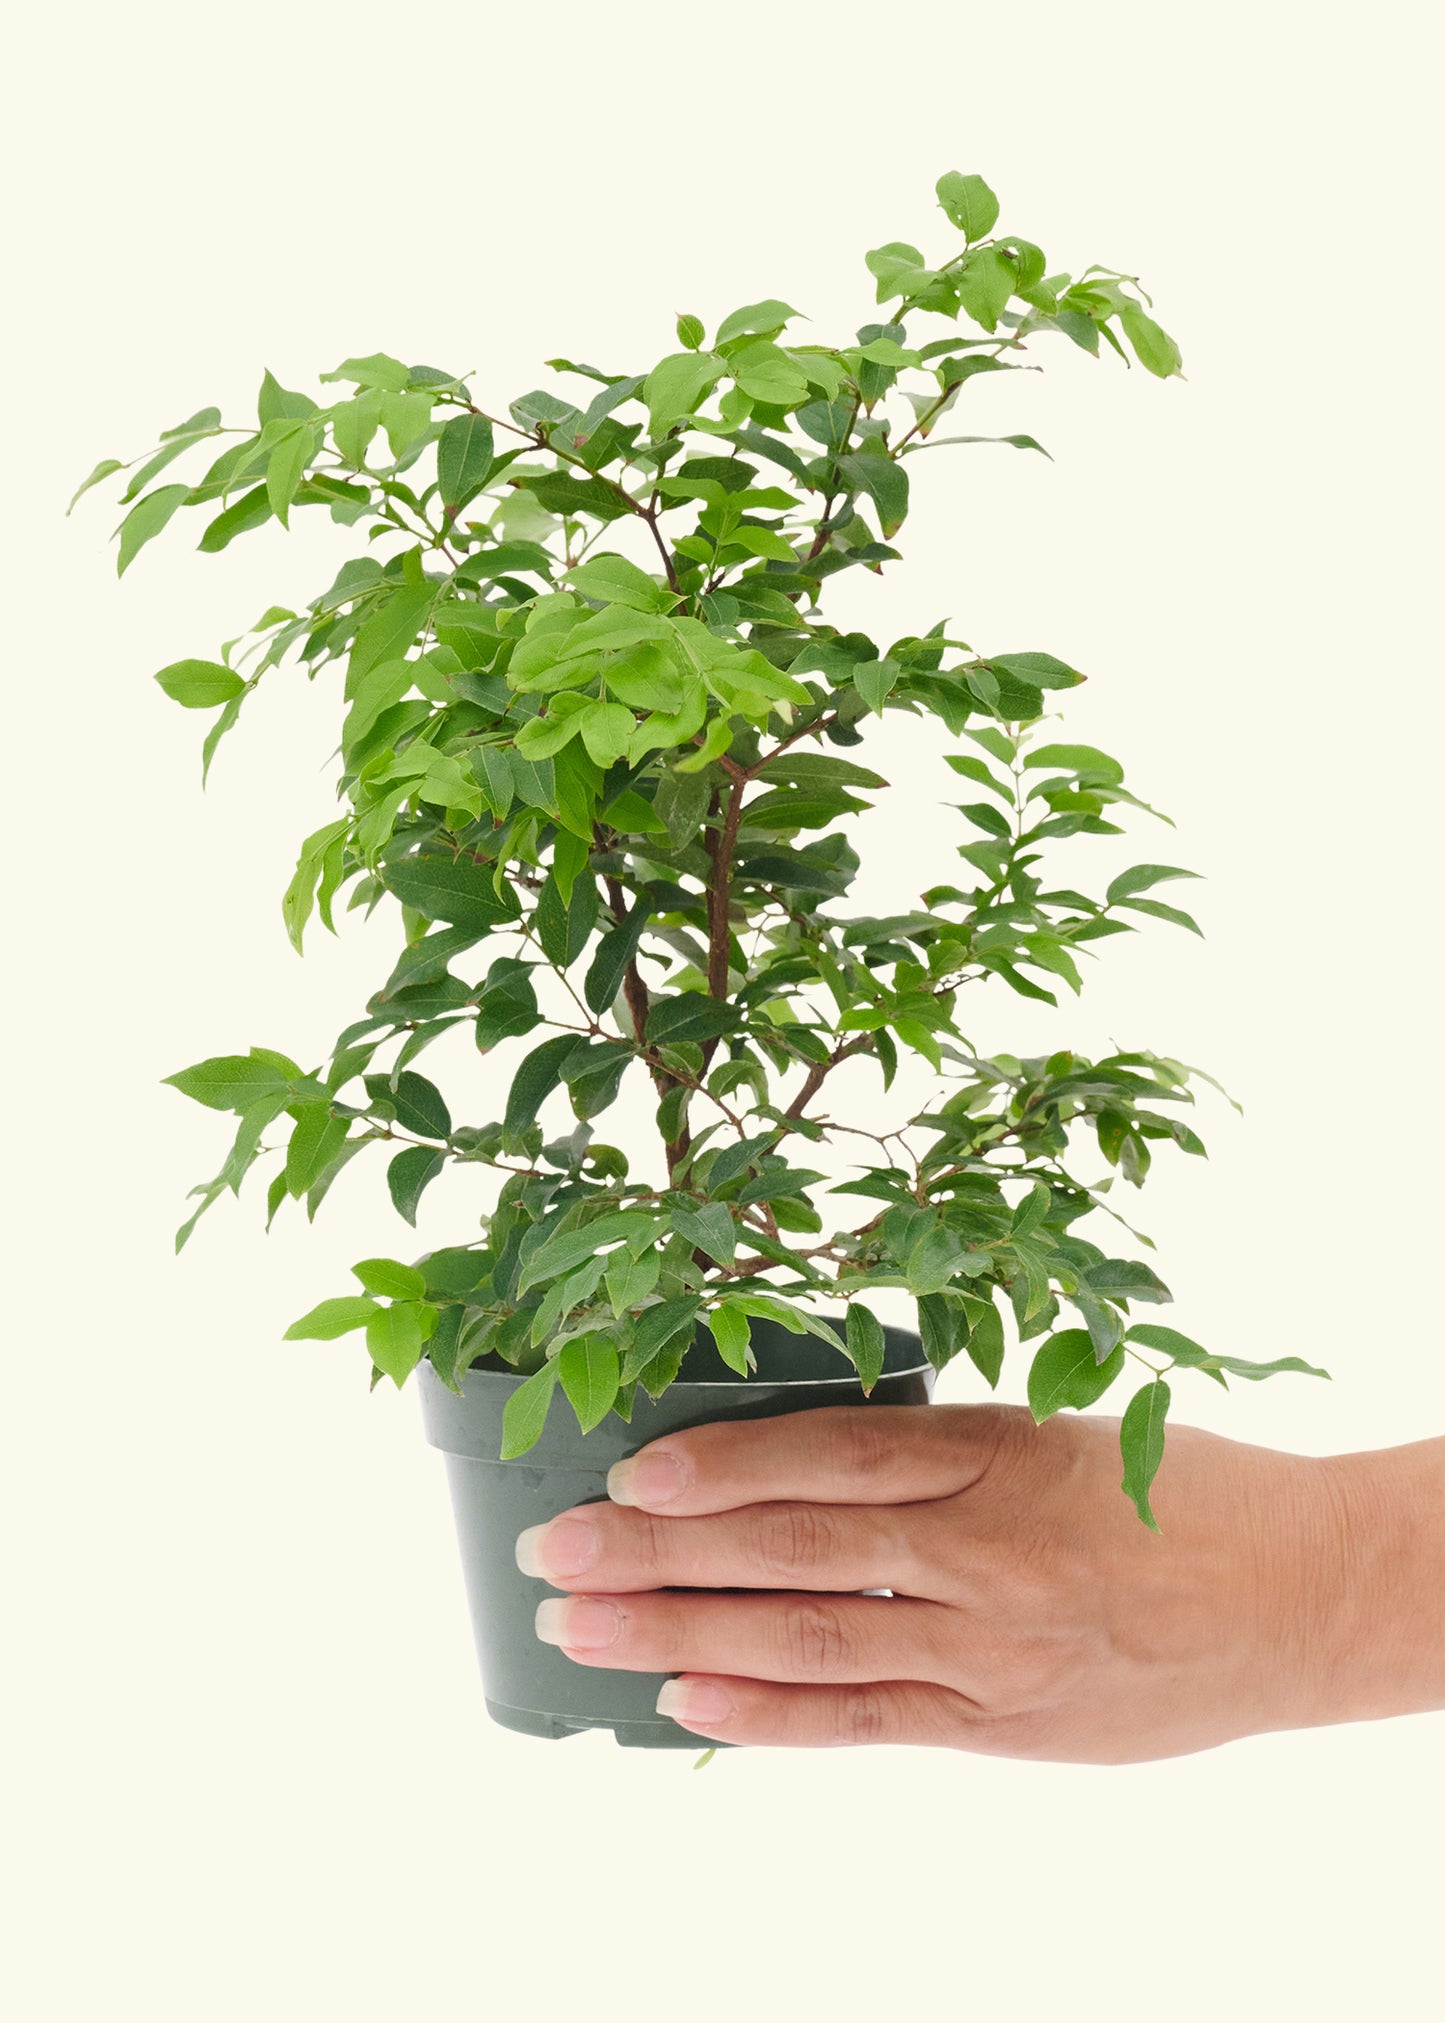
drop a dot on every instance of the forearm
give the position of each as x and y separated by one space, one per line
1380 1597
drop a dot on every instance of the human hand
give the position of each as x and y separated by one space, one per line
1030 1613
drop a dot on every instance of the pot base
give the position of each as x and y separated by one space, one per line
658 1734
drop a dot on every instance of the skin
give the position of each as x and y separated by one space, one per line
1030 1612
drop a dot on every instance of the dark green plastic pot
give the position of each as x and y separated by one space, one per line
529 1685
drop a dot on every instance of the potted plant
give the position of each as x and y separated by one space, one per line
600 742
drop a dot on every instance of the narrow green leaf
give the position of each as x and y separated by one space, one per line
1139 877
1141 1442
614 952
105 469
731 1331
866 1344
145 520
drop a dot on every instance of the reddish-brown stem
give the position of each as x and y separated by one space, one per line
820 1071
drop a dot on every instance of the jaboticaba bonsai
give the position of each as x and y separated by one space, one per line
598 741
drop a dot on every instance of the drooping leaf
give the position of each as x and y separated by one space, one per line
409 1174
867 1344
731 1331
396 1336
525 1412
588 1369
1141 1442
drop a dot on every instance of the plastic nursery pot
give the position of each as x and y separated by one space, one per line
530 1686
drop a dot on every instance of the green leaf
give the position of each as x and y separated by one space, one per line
968 203
866 1344
886 484
710 1229
390 1279
106 468
634 1228
756 320
1075 759
450 889
537 1076
200 684
389 631
731 1331
612 579
230 1081
465 449
251 510
396 1336
419 1106
333 1318
1189 1355
589 1373
285 467
985 286
614 952
145 520
875 681
690 332
1064 1372
690 1016
525 1412
1141 1442
936 1329
656 1327
376 370
1032 1209
678 386
409 1175
985 1343
564 927
316 1140
1154 348
299 896
1040 670
607 729
1139 877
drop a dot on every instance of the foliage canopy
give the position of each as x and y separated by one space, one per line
624 778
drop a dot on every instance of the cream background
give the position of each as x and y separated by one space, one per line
245 1771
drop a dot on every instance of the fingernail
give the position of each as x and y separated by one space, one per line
656 1476
694 1703
579 1625
566 1546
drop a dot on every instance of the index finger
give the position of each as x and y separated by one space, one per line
834 1454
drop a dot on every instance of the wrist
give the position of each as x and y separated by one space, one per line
1377 1587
